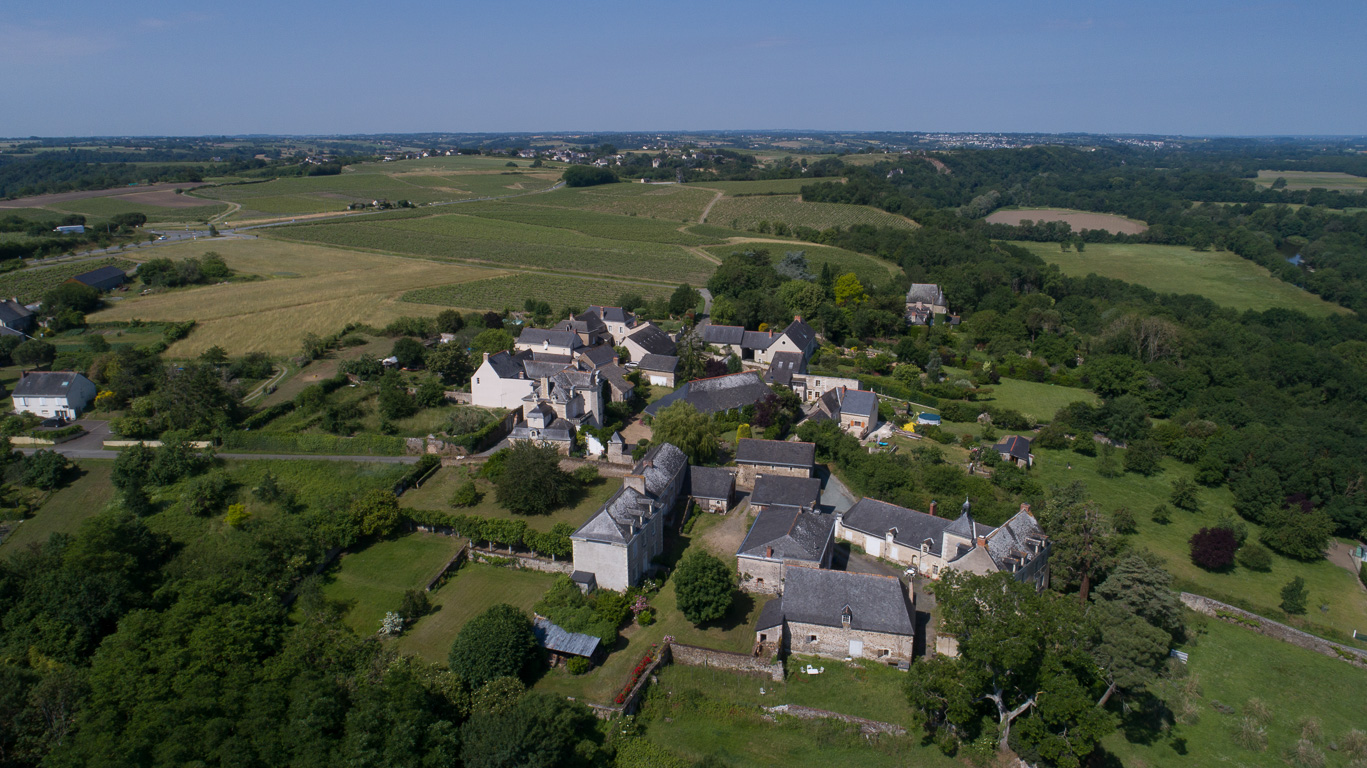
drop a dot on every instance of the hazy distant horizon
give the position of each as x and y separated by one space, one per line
1223 68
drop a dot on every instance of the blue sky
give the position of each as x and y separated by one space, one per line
94 67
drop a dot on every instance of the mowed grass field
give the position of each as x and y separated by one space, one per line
470 591
511 291
1220 276
67 508
493 242
869 269
1036 400
1311 179
747 212
309 289
436 494
372 581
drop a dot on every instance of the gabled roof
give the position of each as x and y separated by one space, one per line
661 464
860 402
553 638
926 293
584 322
784 491
660 363
792 534
611 314
721 334
615 375
596 356
783 366
1015 446
12 312
910 528
801 334
711 482
757 340
771 615
505 365
613 522
775 453
819 596
98 278
542 337
719 393
47 383
653 340
1013 538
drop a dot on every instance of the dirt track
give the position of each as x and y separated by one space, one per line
161 195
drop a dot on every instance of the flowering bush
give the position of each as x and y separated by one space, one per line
640 605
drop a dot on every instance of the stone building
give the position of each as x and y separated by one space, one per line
840 615
783 537
616 544
786 493
773 457
712 488
927 297
855 410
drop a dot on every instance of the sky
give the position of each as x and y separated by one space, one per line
1191 67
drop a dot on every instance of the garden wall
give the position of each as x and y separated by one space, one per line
693 656
867 727
1229 613
521 561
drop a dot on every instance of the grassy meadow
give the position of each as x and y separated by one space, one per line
1220 276
436 494
510 291
747 212
65 509
1311 179
1036 400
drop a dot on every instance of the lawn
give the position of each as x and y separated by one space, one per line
869 269
469 592
511 291
1034 399
436 494
372 581
1293 682
1311 179
747 212
1220 276
65 510
1336 600
333 287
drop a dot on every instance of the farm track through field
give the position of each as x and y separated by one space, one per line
702 219
275 378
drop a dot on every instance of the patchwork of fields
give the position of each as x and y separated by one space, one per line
747 212
1220 276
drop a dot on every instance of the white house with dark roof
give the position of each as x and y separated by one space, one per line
930 544
616 544
588 326
760 346
618 321
53 394
798 337
548 340
855 410
840 615
780 538
773 457
648 339
501 381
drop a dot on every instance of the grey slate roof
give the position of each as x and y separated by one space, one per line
613 522
800 333
793 535
653 340
661 464
912 528
775 453
819 596
1015 446
771 615
757 339
596 356
46 384
662 363
537 368
584 322
558 431
616 378
711 482
719 393
1012 538
15 315
541 336
553 638
103 278
506 365
783 491
722 334
611 314
858 401
926 293
783 367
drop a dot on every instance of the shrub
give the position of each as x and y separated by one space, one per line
237 515
578 665
645 618
1258 710
496 643
1294 596
1123 520
1255 557
1213 548
533 483
467 495
1184 495
1311 730
45 470
1354 744
205 495
1161 514
703 585
585 475
414 605
1250 735
1307 755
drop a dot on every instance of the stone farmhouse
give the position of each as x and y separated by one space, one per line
588 326
658 369
839 615
856 410
786 493
930 545
1016 450
53 394
781 537
616 544
649 339
760 346
712 488
716 394
618 321
773 457
548 341
927 297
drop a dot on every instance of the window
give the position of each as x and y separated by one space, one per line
763 637
476 379
884 653
811 638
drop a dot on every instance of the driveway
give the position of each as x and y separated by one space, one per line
834 495
96 432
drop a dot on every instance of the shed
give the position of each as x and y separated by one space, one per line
103 279
561 643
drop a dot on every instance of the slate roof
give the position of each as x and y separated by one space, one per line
558 431
661 464
819 596
800 333
912 528
775 453
860 402
611 314
926 293
537 368
616 378
653 340
553 638
793 535
1012 538
1015 446
771 615
596 356
711 482
757 339
587 580
783 491
719 393
505 365
541 336
722 334
585 322
661 363
613 522
15 315
103 278
46 384
783 367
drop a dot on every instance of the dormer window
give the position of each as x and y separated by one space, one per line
845 617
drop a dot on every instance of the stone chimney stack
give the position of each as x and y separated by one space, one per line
982 542
635 482
486 357
932 508
768 551
1025 508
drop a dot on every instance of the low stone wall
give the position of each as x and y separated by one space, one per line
452 563
197 444
523 561
606 469
693 656
1234 615
866 727
29 441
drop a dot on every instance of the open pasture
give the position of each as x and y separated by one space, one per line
65 509
1078 220
747 212
1220 276
1312 179
509 243
332 288
869 269
510 291
674 202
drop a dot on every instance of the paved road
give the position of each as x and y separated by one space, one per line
834 495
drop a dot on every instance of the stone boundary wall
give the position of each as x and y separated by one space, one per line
197 444
606 469
21 440
693 656
452 563
1273 629
866 727
523 561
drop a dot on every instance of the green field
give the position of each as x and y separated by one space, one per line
372 581
591 223
511 291
1038 401
766 187
657 201
870 269
1231 665
66 509
509 243
107 207
469 592
1336 600
30 284
1220 276
747 212
1311 179
436 494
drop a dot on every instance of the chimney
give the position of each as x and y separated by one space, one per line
982 542
545 344
486 357
1025 508
635 482
797 318
932 509
615 360
768 551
